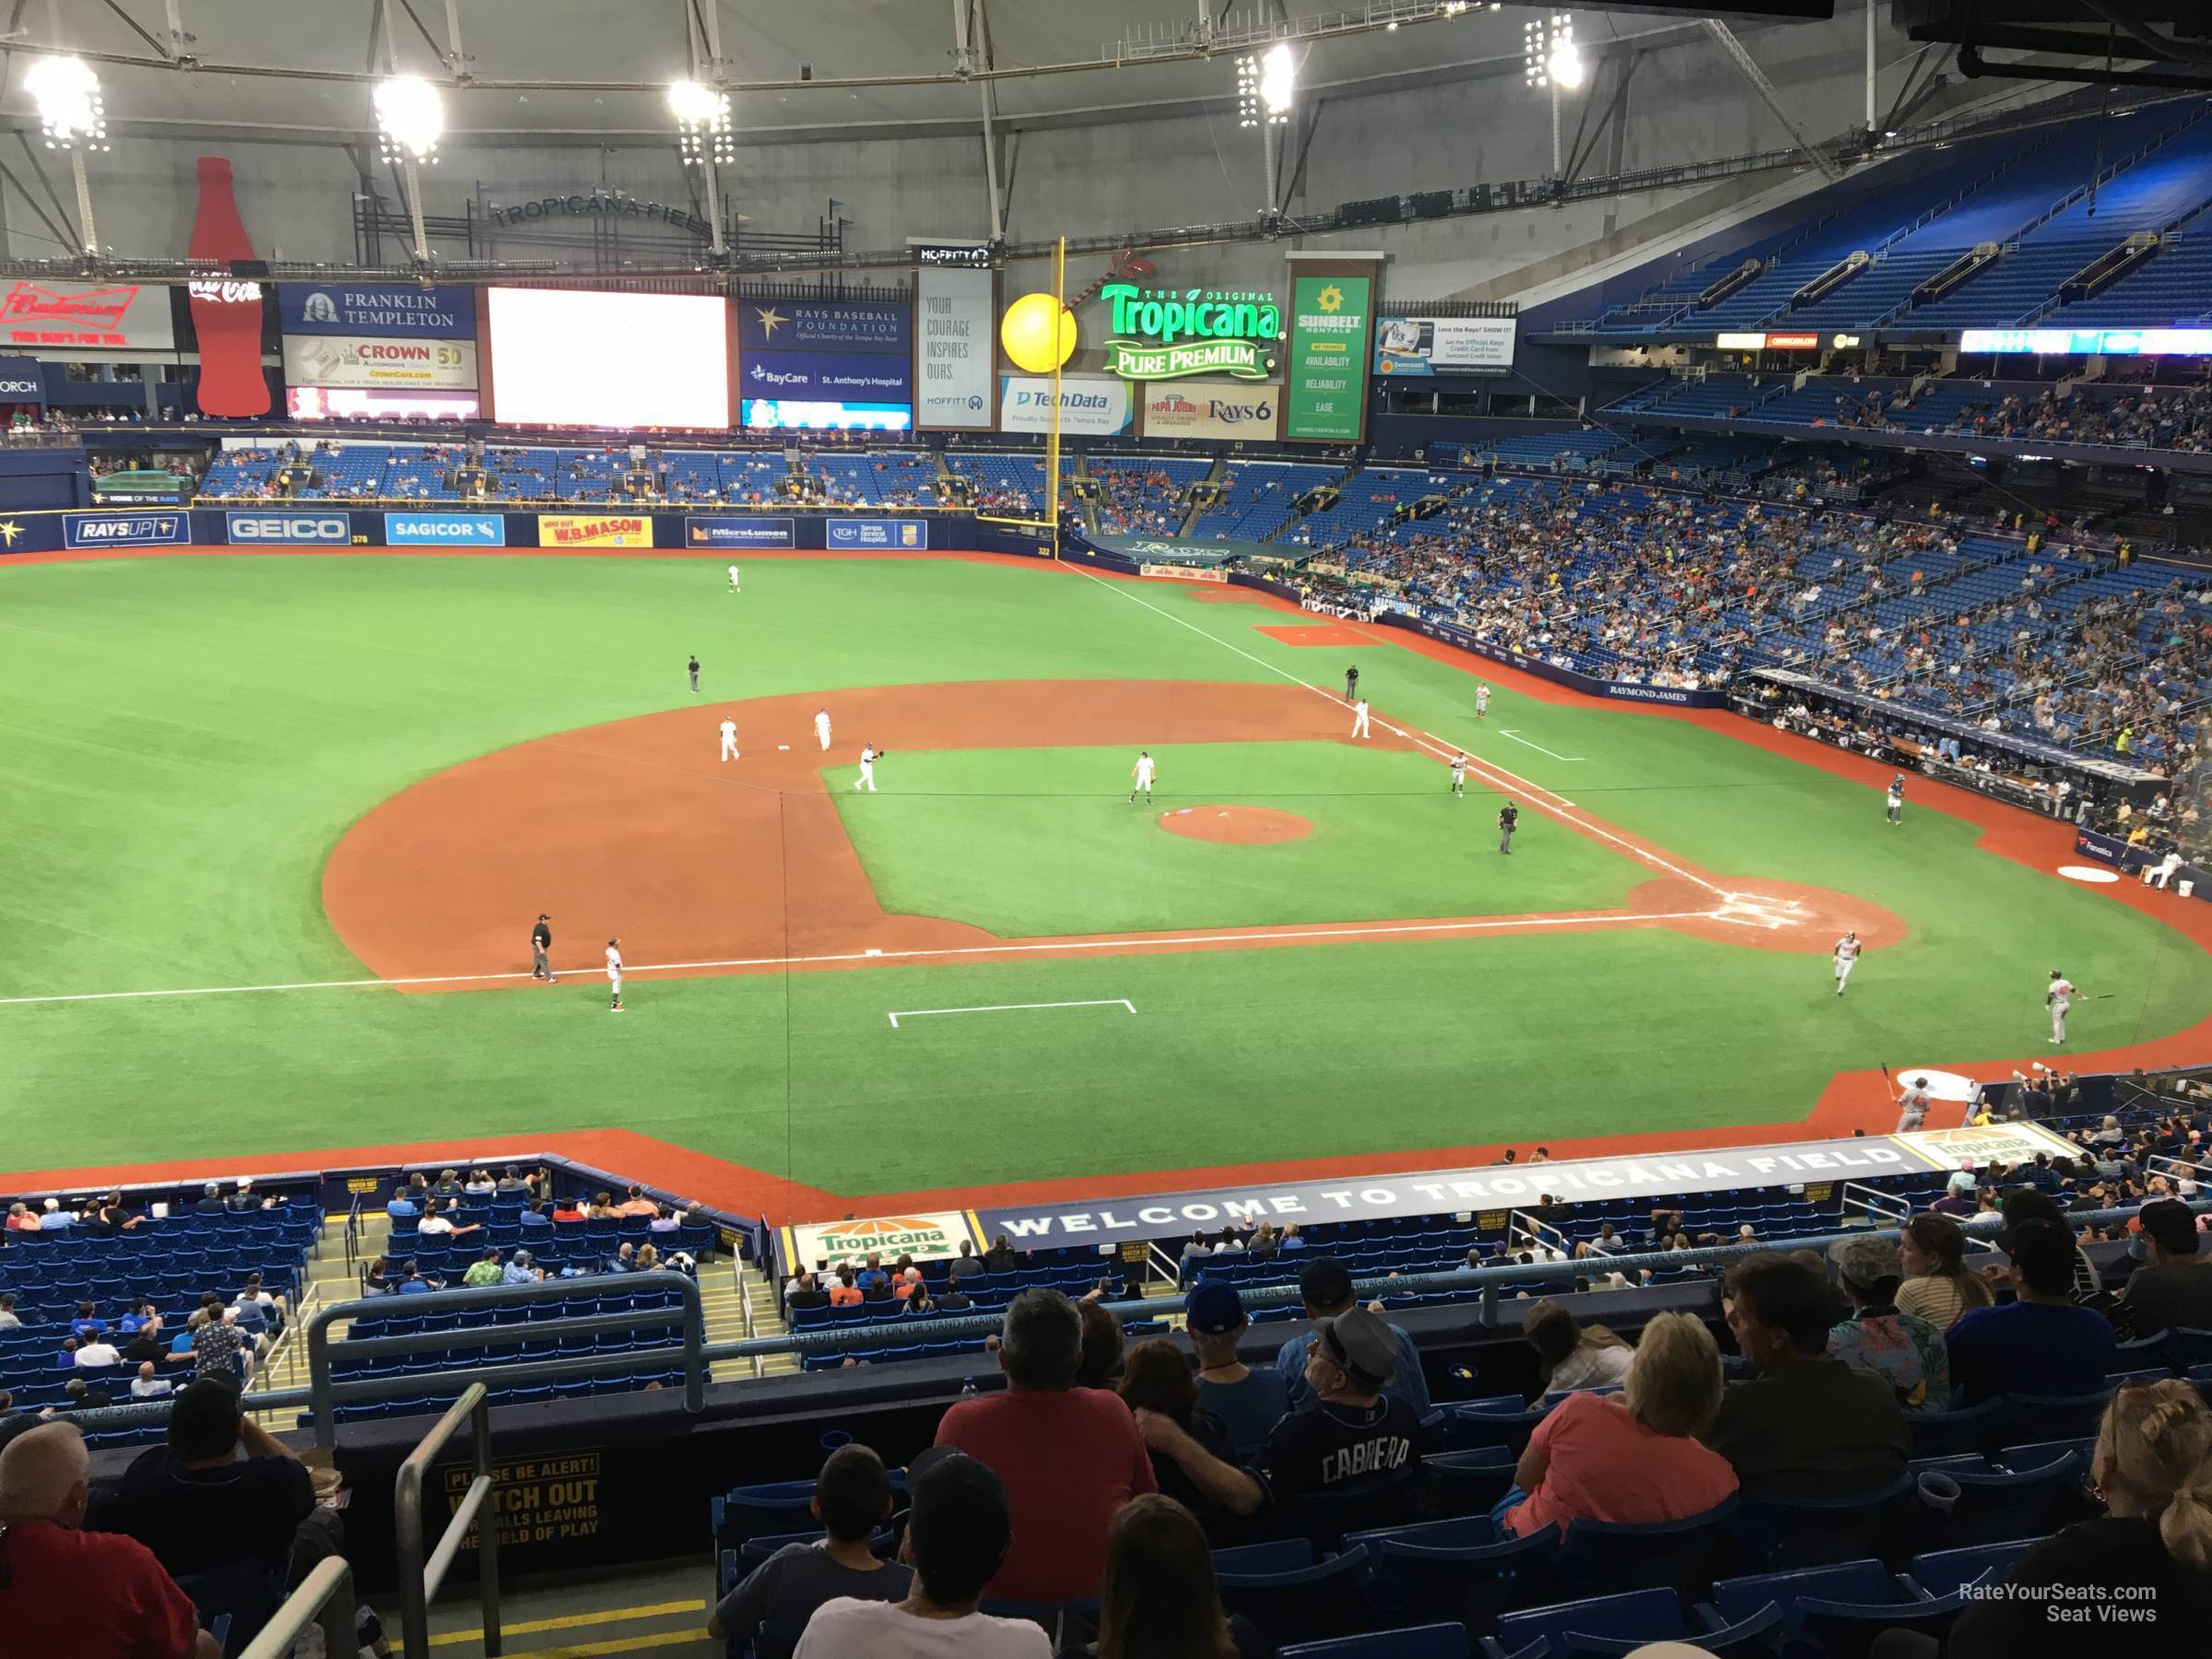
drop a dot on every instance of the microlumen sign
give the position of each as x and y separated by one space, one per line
1158 335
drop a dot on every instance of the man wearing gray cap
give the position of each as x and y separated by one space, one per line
1355 1438
1903 1350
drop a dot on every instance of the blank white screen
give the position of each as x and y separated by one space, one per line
567 357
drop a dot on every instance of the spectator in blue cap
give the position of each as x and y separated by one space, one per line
1248 1402
1325 1286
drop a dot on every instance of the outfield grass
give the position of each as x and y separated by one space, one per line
1035 842
190 737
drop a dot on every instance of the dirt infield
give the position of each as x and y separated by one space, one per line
1338 635
1237 826
638 829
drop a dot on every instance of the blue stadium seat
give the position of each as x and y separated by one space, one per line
1421 1642
1619 1624
1777 1532
1470 1584
2051 1417
1949 1433
1322 1599
1941 1573
1601 1558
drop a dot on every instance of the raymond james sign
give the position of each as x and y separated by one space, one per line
598 205
1453 1192
1157 334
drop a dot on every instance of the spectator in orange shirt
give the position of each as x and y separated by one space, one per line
637 1203
844 1293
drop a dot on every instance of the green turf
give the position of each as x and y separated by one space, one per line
1058 848
188 738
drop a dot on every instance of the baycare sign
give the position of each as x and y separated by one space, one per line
606 530
1157 334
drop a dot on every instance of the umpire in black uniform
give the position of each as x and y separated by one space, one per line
1509 819
541 951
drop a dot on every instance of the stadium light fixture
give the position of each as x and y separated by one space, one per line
1548 55
702 124
410 119
71 113
1266 86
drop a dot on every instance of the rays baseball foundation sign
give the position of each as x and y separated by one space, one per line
926 1237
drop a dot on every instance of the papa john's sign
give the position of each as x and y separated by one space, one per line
1196 408
1157 334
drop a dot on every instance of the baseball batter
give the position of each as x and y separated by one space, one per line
1360 719
733 579
867 769
1896 799
821 729
1459 774
613 975
1912 1103
1847 958
1482 701
2060 997
729 738
1142 770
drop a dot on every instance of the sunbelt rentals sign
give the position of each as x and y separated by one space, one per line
1156 333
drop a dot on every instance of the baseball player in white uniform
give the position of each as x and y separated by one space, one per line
821 729
2160 875
1459 774
867 769
1142 772
1482 701
2061 997
1912 1103
1359 718
729 738
613 975
1895 800
733 579
1847 958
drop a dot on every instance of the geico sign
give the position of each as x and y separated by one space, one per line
273 527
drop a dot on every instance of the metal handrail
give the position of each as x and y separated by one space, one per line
313 1602
325 1390
418 1581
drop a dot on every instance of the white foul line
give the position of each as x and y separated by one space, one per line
1101 1002
1156 941
1540 750
1435 745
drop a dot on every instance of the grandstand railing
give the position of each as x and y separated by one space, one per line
314 1602
419 1580
326 1390
1871 1205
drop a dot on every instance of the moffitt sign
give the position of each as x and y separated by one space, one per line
1157 334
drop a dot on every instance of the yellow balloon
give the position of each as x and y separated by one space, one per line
1028 334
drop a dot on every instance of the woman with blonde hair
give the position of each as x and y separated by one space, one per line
2150 1552
1632 1457
1939 1286
1159 1599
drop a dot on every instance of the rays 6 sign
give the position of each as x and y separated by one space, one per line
1196 408
1157 334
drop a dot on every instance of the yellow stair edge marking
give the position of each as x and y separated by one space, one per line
621 1644
569 1621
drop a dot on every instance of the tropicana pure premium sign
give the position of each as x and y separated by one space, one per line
1157 334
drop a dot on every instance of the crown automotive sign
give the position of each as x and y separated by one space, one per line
1157 334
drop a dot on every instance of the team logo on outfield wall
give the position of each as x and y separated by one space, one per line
273 527
122 529
925 1237
444 530
1156 333
569 530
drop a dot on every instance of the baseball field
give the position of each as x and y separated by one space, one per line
277 828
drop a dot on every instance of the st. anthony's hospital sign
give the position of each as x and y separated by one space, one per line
1448 1192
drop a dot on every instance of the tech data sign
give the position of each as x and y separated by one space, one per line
1211 409
122 529
570 530
926 1237
444 530
1090 406
248 529
1155 334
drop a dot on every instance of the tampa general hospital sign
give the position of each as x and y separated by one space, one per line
1157 333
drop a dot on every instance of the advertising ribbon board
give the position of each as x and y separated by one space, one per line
352 360
1326 402
444 530
724 530
1198 409
929 1237
601 530
1423 346
905 534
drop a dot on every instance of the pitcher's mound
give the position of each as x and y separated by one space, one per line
1242 826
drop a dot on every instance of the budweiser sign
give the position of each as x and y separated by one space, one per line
66 314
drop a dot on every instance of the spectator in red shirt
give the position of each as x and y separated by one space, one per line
67 1590
1069 1456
